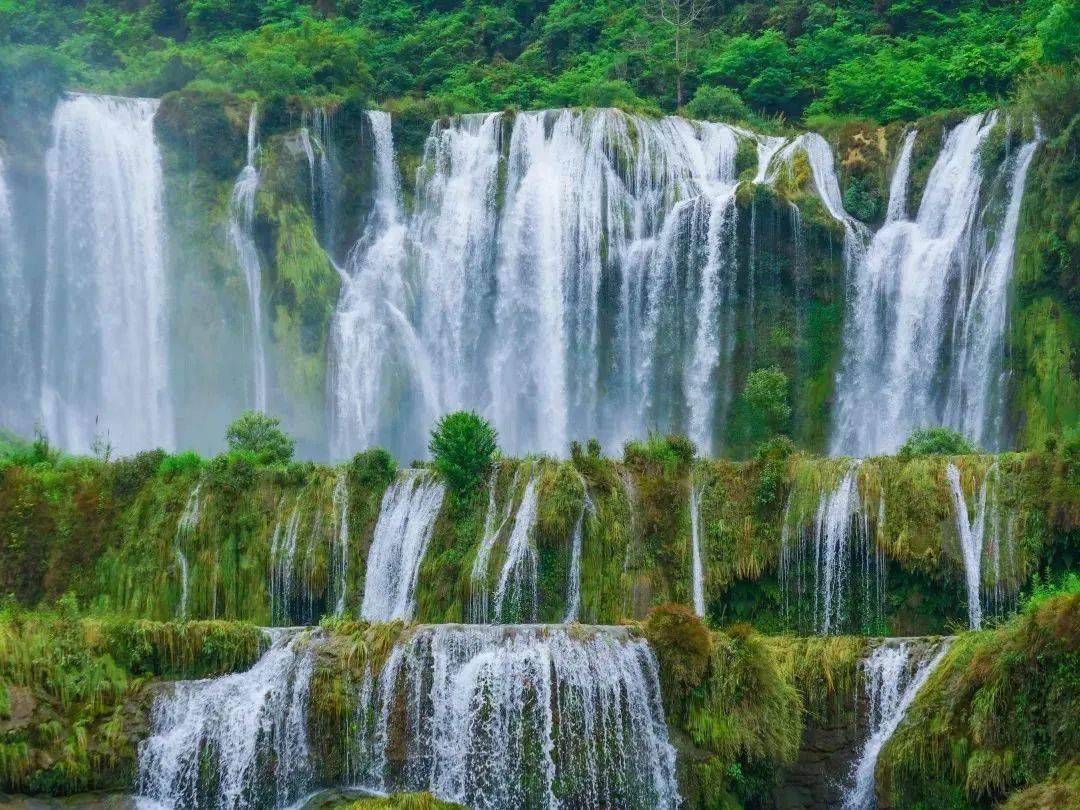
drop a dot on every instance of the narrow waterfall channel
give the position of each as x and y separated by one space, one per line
697 573
986 546
832 573
241 219
105 363
515 716
236 741
893 675
925 327
406 521
188 523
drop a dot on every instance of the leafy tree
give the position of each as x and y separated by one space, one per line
718 104
766 394
936 441
261 436
463 445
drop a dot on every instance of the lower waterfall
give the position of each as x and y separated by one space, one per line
832 573
514 716
236 741
894 673
406 521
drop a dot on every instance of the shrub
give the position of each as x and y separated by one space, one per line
683 647
936 441
672 453
766 393
260 435
463 445
179 463
129 474
373 468
718 104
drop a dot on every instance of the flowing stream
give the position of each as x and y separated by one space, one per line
516 716
697 573
105 364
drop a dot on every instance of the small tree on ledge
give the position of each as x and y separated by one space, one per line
261 435
463 445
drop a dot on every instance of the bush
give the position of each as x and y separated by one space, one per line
766 394
718 104
261 436
129 474
463 445
673 453
683 647
374 468
772 455
179 463
936 441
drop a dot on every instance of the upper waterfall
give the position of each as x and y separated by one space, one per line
571 273
925 329
105 367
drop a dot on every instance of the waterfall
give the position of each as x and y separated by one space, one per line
241 219
573 586
315 133
283 544
898 186
341 548
894 673
185 527
517 592
986 546
924 335
235 741
818 556
494 523
16 356
405 525
105 367
373 345
516 716
569 273
697 572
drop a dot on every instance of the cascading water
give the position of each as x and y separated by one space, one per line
494 523
517 716
185 527
696 571
614 238
573 587
516 595
374 350
893 674
898 186
341 545
820 588
315 134
16 354
406 521
105 365
236 741
986 546
283 586
241 219
924 335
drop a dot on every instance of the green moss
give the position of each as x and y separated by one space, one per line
995 716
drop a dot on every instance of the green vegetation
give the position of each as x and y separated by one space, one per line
462 447
995 717
766 394
849 58
74 693
935 441
260 436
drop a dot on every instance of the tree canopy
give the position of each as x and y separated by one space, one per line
888 61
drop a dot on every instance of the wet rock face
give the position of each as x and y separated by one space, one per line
828 751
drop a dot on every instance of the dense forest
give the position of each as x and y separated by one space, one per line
714 58
424 404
